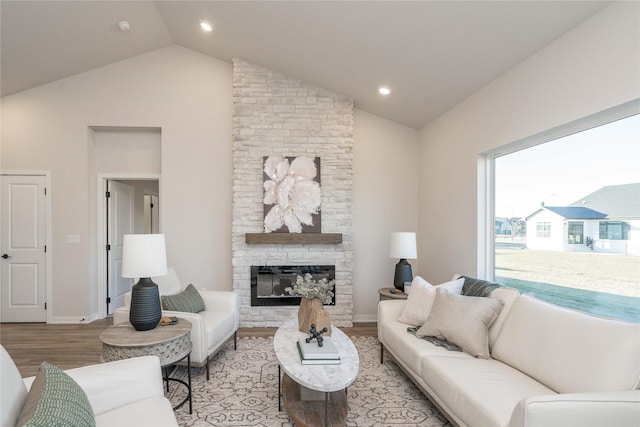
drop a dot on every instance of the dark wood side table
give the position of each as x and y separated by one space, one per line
170 343
391 293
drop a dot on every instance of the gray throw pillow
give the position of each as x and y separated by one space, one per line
188 300
463 321
55 399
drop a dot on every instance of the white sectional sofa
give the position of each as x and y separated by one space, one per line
123 393
549 366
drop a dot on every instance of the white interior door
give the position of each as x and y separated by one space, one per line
23 248
120 211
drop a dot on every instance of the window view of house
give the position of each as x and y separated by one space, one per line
567 220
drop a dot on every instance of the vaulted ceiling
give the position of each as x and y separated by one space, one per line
432 54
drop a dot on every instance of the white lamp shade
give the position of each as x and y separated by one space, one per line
144 255
403 245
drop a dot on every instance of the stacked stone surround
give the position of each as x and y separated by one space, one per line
277 115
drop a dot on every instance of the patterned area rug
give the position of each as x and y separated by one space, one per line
243 391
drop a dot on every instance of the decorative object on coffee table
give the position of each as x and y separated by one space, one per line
144 256
316 335
403 246
314 294
312 354
311 312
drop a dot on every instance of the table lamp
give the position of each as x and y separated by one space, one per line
403 246
144 256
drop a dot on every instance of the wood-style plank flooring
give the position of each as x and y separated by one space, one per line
71 346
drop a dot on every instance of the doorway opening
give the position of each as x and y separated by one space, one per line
129 205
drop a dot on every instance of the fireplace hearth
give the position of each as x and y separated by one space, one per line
268 283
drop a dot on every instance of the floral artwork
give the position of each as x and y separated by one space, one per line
291 194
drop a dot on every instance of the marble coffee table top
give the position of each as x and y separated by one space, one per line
325 378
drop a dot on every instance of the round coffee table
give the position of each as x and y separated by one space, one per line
170 343
314 394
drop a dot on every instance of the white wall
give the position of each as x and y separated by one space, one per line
127 151
185 94
591 68
188 96
385 184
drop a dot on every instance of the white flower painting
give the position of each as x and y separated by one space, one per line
291 194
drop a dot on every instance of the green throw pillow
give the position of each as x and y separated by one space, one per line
188 300
55 399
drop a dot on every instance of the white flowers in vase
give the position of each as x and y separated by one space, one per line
309 288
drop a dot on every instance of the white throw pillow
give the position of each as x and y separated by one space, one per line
420 300
463 321
453 286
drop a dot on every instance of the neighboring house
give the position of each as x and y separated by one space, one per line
503 227
610 223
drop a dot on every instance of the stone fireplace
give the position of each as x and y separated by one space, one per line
275 115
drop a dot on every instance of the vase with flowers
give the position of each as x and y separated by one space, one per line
313 293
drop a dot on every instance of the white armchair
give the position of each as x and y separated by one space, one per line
127 392
210 328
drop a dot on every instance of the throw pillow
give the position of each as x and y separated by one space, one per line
188 300
55 399
420 300
453 286
463 321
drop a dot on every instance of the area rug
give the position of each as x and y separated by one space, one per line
243 391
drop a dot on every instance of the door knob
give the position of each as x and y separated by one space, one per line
5 256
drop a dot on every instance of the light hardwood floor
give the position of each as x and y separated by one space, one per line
71 346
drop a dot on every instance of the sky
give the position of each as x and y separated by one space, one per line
563 171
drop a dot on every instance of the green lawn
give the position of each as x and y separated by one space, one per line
598 303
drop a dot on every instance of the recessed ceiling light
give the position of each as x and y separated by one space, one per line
206 26
124 26
384 90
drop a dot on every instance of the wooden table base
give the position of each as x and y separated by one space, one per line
313 413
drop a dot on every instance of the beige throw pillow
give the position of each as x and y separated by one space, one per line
463 321
420 300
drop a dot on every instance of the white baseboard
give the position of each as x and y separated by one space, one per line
72 319
365 318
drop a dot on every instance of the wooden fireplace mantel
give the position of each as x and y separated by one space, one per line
293 238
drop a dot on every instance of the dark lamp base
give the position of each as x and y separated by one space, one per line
145 312
403 274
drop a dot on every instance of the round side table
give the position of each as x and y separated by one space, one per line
170 343
391 293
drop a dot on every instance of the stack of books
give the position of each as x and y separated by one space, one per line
312 354
165 321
